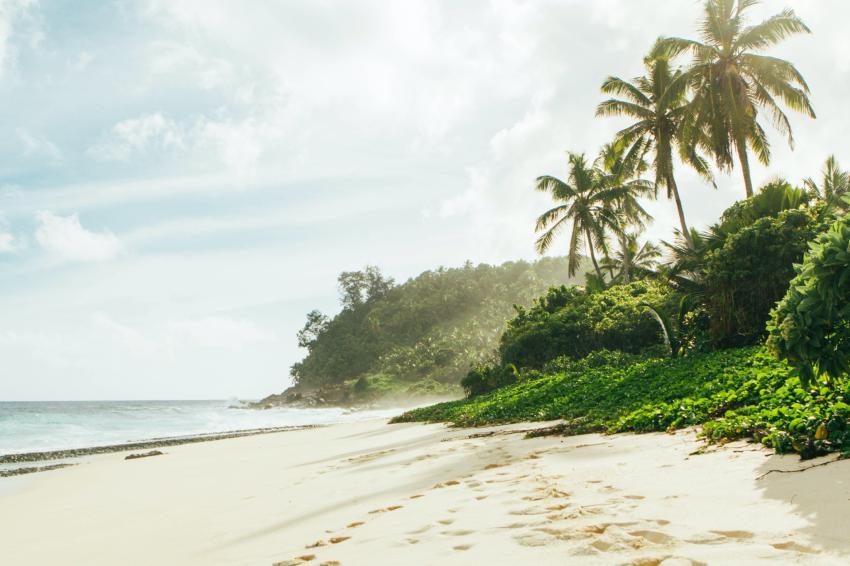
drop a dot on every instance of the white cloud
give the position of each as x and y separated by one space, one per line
219 333
11 13
151 131
39 146
7 243
66 238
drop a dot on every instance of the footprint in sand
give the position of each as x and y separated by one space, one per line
386 509
331 563
420 530
654 537
417 496
458 533
298 560
462 547
446 521
795 547
532 539
636 497
664 561
739 535
355 524
337 540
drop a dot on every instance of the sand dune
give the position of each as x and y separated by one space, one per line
371 493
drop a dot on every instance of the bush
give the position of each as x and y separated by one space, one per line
571 322
484 378
811 326
751 271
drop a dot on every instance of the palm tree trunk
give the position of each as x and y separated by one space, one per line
627 259
593 257
744 160
674 188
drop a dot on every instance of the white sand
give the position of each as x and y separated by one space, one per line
431 495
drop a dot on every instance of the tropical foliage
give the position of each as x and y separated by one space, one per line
733 83
595 200
732 393
428 329
569 321
657 103
811 325
834 184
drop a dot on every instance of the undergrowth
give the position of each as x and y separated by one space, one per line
736 393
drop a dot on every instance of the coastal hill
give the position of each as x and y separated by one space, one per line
414 340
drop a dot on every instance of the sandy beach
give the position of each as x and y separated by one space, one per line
371 493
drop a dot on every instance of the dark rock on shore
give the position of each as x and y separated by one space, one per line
154 443
143 455
31 470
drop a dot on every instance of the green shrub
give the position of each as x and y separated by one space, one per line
484 378
750 272
811 326
571 322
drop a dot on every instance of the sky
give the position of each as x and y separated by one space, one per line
181 182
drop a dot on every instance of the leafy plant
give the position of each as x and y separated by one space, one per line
745 277
572 322
737 393
810 327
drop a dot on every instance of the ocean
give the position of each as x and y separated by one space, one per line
60 425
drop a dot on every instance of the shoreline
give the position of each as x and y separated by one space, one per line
157 442
374 493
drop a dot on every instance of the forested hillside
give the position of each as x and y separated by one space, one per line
418 338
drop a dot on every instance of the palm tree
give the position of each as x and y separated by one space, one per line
657 104
620 171
732 82
583 201
597 199
834 184
632 259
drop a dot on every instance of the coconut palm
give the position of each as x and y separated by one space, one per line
633 259
834 184
732 82
584 202
597 199
620 167
657 104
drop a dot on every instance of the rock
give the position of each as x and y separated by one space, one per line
143 455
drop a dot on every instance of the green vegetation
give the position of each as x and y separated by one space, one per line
732 82
572 322
811 325
735 393
595 200
418 338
